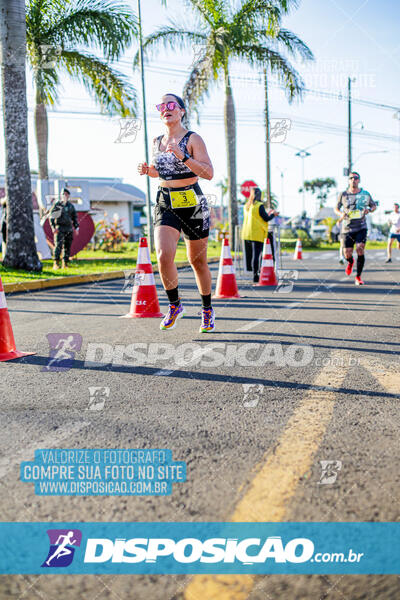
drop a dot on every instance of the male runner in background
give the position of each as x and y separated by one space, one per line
394 233
352 206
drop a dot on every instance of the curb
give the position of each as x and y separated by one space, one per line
41 284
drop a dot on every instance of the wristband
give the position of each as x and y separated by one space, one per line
186 157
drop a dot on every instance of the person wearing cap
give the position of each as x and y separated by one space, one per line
62 220
179 158
255 230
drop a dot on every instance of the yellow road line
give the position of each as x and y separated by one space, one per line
388 379
271 490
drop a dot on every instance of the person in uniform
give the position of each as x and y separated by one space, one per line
62 220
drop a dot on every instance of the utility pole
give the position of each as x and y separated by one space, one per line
267 142
146 146
349 161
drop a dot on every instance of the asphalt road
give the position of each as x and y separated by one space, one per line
252 434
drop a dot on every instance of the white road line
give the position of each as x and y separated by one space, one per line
51 441
252 325
293 305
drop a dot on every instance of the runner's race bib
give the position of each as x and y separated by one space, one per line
354 214
183 198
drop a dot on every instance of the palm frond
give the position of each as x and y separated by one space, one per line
260 56
102 24
215 10
46 84
200 10
198 84
259 12
110 88
291 42
171 36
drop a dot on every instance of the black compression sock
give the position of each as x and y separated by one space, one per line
350 260
360 264
206 300
173 296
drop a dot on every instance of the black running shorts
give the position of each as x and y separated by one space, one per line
193 221
355 237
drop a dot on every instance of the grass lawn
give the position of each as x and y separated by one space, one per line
96 262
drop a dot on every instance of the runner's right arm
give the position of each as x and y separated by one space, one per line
145 169
338 208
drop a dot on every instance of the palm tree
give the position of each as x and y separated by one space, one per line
250 33
58 33
21 249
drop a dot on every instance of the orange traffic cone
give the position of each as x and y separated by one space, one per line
226 282
7 343
144 301
267 274
297 251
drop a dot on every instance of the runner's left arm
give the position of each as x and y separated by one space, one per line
371 205
199 161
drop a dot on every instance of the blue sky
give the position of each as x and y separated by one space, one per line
357 38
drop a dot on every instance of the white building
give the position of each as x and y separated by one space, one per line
99 195
117 199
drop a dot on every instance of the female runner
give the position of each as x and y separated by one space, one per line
179 158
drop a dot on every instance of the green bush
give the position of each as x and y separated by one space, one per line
305 240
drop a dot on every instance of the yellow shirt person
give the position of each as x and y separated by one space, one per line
255 230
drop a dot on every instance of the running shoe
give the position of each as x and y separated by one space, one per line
174 313
207 320
341 260
349 268
388 260
359 281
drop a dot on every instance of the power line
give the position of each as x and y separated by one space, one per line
249 120
339 96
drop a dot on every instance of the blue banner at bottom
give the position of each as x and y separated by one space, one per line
205 548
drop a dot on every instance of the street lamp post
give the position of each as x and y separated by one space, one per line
146 146
303 153
282 203
370 152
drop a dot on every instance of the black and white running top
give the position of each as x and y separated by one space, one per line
166 163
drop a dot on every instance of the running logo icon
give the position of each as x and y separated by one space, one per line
330 471
63 347
62 547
